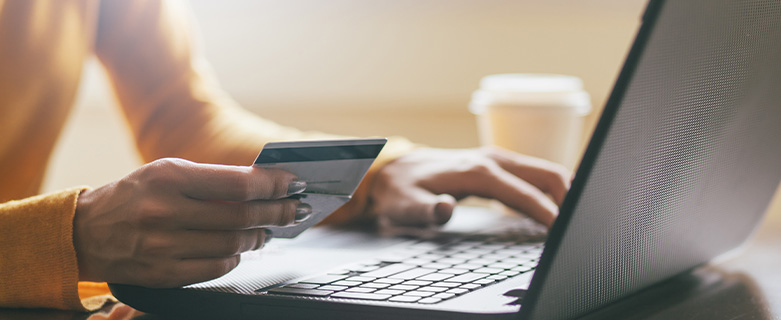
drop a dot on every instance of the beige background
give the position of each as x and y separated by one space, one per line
366 68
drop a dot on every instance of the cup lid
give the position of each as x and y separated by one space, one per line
530 82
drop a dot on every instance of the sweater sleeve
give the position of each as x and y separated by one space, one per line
172 103
37 247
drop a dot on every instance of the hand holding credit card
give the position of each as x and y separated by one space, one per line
332 170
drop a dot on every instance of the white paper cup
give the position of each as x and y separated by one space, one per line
540 115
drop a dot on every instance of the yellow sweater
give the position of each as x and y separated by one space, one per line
171 102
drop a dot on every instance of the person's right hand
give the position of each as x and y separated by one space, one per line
173 222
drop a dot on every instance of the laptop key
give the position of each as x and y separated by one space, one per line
333 288
522 268
462 246
429 300
451 261
302 285
488 270
502 265
457 291
482 262
468 266
521 247
527 255
346 283
388 281
359 289
437 265
479 251
419 293
433 289
444 295
360 279
435 276
524 256
515 261
445 284
362 296
403 287
466 256
485 281
454 271
467 277
470 286
389 291
301 292
496 246
375 285
389 270
446 251
430 256
417 283
496 256
417 262
326 279
412 274
404 299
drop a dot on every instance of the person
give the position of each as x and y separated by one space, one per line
173 221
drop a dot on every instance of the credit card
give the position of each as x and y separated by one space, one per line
332 170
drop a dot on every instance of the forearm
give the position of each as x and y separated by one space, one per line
172 102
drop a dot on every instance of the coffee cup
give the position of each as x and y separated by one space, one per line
540 115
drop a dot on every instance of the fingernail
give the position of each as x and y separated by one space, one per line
303 212
296 187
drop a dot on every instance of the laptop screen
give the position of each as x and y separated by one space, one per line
683 163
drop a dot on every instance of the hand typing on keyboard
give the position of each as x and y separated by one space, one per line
421 188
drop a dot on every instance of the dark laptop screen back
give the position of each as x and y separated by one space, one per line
684 162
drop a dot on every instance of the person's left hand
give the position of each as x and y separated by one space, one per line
421 188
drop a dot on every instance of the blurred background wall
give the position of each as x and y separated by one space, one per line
366 67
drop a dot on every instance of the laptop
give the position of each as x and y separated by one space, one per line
679 171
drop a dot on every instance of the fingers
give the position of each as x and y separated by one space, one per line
219 182
218 215
214 244
405 191
419 207
443 209
178 258
517 194
549 177
215 182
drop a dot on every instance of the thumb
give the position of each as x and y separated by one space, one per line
443 209
421 208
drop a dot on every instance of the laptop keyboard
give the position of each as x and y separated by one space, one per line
426 272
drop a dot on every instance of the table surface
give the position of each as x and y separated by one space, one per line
747 286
